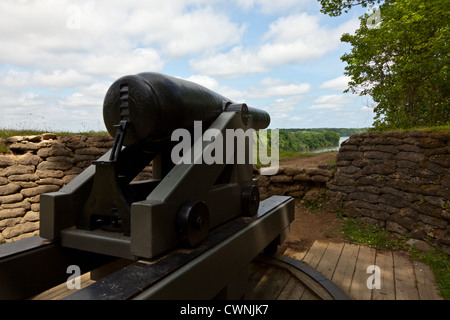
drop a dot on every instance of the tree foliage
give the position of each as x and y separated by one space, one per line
343 132
402 63
302 140
336 7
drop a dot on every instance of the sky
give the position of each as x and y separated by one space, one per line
59 57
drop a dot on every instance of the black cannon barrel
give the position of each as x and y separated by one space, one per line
156 104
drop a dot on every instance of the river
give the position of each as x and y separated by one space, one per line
342 139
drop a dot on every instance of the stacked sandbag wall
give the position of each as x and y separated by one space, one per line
38 164
398 180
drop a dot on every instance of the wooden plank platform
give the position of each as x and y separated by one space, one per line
61 291
346 265
266 282
270 283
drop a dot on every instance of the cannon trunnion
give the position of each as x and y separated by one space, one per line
191 203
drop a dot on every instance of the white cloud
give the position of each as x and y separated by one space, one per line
266 88
205 81
189 33
58 57
94 37
280 116
334 102
39 79
212 84
293 39
59 78
284 110
14 78
331 106
96 89
64 54
270 87
116 64
337 84
78 99
236 62
271 6
284 104
29 99
334 98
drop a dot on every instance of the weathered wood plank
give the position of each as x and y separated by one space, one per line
292 291
308 295
358 287
266 287
256 273
60 291
405 279
309 281
385 262
278 282
425 282
315 253
343 274
298 255
343 263
329 260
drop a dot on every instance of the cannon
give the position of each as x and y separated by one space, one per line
206 209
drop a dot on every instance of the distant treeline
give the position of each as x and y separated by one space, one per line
343 132
301 140
295 141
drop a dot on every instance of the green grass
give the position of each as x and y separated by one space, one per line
313 207
439 263
286 155
3 147
370 234
437 129
6 133
374 236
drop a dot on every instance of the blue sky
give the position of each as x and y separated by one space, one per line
58 58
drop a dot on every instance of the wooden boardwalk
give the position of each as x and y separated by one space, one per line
267 282
61 291
346 265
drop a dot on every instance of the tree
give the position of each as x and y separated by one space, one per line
335 7
402 63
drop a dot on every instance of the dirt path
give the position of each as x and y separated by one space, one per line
310 225
310 161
